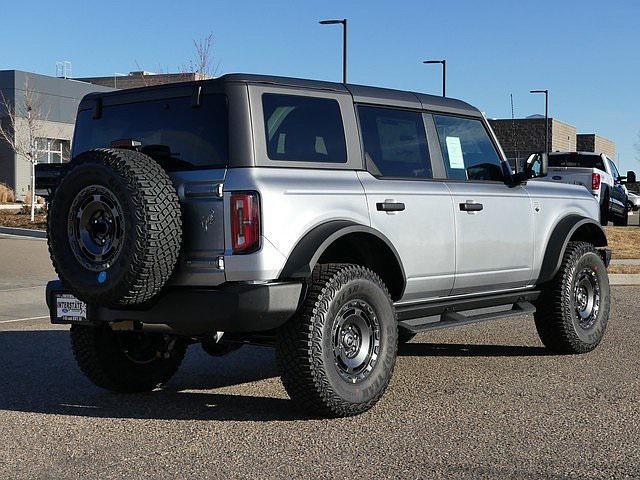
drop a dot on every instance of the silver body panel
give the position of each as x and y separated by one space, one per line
423 233
445 252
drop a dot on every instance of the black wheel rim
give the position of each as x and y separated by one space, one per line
356 340
587 297
96 227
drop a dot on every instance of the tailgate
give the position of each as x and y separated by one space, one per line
202 204
573 176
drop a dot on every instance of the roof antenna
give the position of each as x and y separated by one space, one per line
514 137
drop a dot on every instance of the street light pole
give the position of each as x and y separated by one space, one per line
444 74
342 22
546 118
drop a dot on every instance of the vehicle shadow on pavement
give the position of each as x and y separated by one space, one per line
469 350
39 375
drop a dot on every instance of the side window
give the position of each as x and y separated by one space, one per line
614 170
467 149
395 142
303 129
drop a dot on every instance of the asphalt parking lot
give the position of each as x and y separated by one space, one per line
478 401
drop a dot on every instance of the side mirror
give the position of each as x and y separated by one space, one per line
631 177
537 165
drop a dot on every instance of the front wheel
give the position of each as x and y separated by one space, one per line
126 362
337 354
573 310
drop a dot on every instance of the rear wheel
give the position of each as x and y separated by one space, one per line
337 355
573 310
126 362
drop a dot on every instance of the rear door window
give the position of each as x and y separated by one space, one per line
303 129
469 153
172 131
395 142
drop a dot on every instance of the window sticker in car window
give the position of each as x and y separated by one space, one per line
454 149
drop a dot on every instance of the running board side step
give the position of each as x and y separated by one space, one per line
455 319
418 318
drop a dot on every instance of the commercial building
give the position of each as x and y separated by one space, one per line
57 101
521 137
142 79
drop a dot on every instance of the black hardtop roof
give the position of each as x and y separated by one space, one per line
361 93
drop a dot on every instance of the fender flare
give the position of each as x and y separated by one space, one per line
559 239
309 249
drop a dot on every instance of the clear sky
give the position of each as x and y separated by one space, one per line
587 53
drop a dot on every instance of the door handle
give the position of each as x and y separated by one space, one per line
471 206
389 206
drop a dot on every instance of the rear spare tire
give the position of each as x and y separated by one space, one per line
115 228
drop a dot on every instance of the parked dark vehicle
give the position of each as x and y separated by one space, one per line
332 221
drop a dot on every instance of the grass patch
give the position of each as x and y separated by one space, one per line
624 241
21 220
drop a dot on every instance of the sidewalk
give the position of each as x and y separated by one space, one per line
626 261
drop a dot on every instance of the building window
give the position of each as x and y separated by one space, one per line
51 150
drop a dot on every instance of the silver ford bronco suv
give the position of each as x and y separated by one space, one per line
332 221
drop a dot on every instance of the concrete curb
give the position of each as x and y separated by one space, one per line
625 261
23 232
624 279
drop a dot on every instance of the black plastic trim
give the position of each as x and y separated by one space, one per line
558 241
309 249
455 319
234 307
429 309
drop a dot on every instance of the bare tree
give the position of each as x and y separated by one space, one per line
203 61
23 127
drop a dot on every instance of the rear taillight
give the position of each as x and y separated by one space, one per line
595 181
245 222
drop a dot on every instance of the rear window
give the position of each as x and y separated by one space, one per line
171 131
303 129
576 160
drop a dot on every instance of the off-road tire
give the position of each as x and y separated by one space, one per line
151 223
305 351
556 318
101 357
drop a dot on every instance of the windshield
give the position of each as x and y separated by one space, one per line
171 131
580 160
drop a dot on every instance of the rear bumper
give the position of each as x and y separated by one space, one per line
239 308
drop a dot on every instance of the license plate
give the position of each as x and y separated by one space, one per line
70 309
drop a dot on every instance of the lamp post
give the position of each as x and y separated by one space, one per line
546 118
342 22
444 73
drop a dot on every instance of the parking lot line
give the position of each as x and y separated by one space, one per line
17 289
24 319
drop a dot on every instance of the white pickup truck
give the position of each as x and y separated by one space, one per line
598 174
